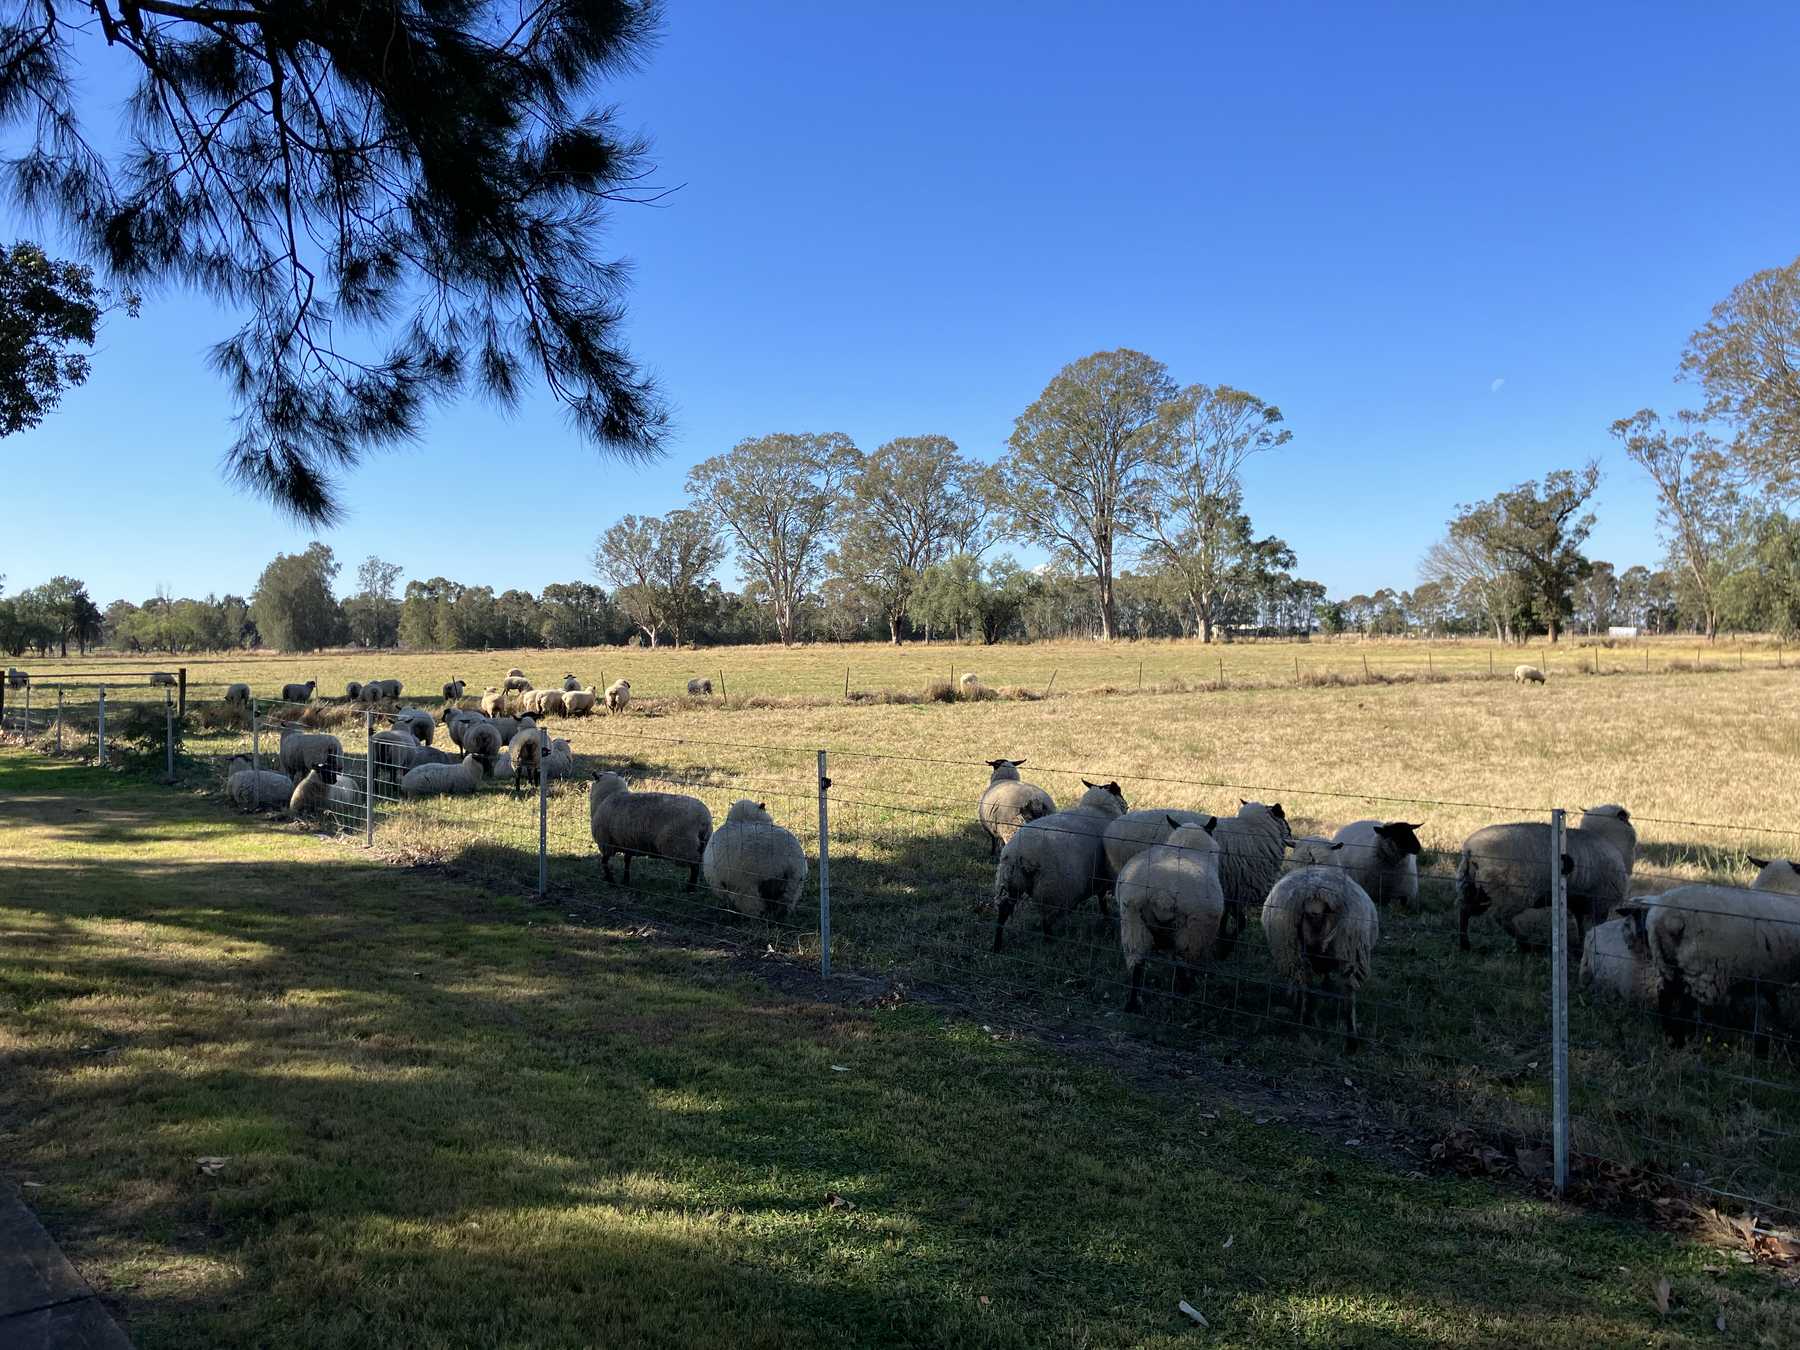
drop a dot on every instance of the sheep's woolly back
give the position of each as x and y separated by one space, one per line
577 702
1381 856
238 693
663 825
1527 675
754 865
303 750
1613 824
310 795
697 687
1321 927
1778 875
570 684
435 780
259 787
1252 846
1007 802
1135 831
1616 962
1505 870
1059 859
1313 850
1170 899
1707 941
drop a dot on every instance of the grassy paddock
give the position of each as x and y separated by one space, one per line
446 1116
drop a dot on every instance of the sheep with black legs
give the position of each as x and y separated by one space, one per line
453 689
298 693
1381 856
661 825
1057 860
526 750
311 793
1321 928
1009 802
1170 901
754 865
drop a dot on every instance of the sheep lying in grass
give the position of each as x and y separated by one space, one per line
559 761
1057 860
1616 962
1381 856
579 702
662 825
696 688
754 865
1321 928
311 793
453 689
302 750
162 678
1527 675
439 780
1136 831
1008 802
298 693
1170 901
1252 847
1779 875
1505 870
618 696
251 787
1711 946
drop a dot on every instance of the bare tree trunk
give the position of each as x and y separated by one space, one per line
894 629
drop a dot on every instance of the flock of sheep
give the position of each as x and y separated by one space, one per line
1182 884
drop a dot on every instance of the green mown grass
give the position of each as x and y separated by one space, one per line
451 1117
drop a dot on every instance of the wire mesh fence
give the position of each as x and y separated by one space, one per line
1678 1019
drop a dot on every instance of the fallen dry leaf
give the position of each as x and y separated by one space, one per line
1661 1292
1191 1311
835 1201
985 1300
1719 1321
211 1166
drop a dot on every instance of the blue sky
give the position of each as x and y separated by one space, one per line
1451 242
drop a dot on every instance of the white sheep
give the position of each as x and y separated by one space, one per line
453 689
515 684
1321 928
579 702
416 720
1527 675
1057 860
754 865
1252 847
1381 856
1616 962
1008 802
482 740
663 825
1780 875
559 761
1170 901
618 696
493 701
1505 869
699 687
162 678
311 793
435 780
545 703
570 683
301 751
251 787
298 693
968 681
526 750
1136 831
237 696
1712 945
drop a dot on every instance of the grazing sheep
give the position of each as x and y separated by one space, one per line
579 702
1712 945
570 683
1506 869
545 703
1138 830
311 793
482 740
16 678
1382 858
527 752
1780 875
303 750
1616 962
390 689
453 689
559 761
515 684
493 701
699 687
439 780
1321 928
298 693
661 825
162 678
618 696
1008 803
1252 846
354 691
237 695
416 720
1169 901
1527 675
754 865
371 691
1059 860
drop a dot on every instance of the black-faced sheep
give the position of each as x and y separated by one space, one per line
311 793
1381 856
1321 929
1253 845
302 750
1527 675
526 750
1008 803
570 683
1057 860
453 689
298 693
1505 870
1712 945
1779 875
1136 831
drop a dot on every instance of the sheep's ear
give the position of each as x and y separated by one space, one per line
1633 912
1625 815
1211 824
1114 789
993 763
1760 862
1174 824
1335 846
1018 764
762 806
1086 784
1277 812
1242 802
